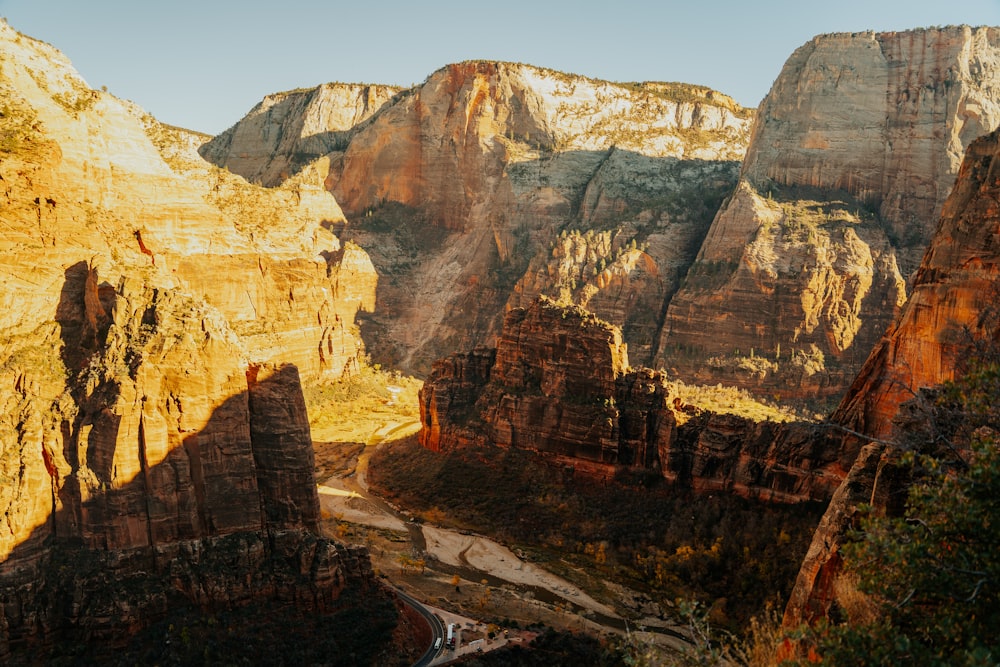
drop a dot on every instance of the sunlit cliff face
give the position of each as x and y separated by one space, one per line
953 303
853 153
952 310
141 288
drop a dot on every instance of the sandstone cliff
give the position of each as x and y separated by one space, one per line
460 187
953 305
155 317
289 130
559 383
93 205
852 155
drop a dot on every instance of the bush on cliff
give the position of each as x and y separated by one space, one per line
932 576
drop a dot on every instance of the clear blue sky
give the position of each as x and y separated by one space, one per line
203 64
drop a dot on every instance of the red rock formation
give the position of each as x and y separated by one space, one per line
559 383
288 130
953 304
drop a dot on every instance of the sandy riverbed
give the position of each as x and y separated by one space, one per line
450 546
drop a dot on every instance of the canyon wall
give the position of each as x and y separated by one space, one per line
852 155
953 306
475 192
559 383
289 130
156 316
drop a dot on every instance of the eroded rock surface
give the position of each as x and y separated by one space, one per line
559 383
474 191
156 316
853 153
287 131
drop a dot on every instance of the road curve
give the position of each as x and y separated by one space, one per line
437 628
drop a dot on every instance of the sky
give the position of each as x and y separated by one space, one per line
203 64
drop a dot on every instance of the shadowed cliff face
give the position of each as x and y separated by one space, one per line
224 519
164 435
171 476
559 383
953 305
852 155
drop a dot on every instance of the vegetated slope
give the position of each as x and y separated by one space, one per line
951 313
657 539
156 315
853 153
491 183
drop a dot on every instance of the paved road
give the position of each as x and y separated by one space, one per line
437 629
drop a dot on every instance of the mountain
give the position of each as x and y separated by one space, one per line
852 155
492 183
287 131
157 317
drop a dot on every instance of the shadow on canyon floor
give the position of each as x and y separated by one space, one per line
210 553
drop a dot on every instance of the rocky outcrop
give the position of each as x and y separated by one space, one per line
173 476
953 306
156 315
459 189
289 130
559 383
111 224
852 155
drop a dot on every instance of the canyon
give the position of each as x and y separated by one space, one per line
517 236
492 183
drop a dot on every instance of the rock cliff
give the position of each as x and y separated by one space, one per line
559 383
289 130
156 314
851 158
953 305
461 188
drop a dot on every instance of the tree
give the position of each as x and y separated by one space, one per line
932 576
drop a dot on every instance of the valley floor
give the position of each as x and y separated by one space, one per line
461 572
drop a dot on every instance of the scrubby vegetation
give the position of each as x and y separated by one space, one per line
18 123
345 410
929 581
729 400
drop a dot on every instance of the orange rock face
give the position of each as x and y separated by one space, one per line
123 251
287 131
559 383
954 292
460 188
852 155
156 316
